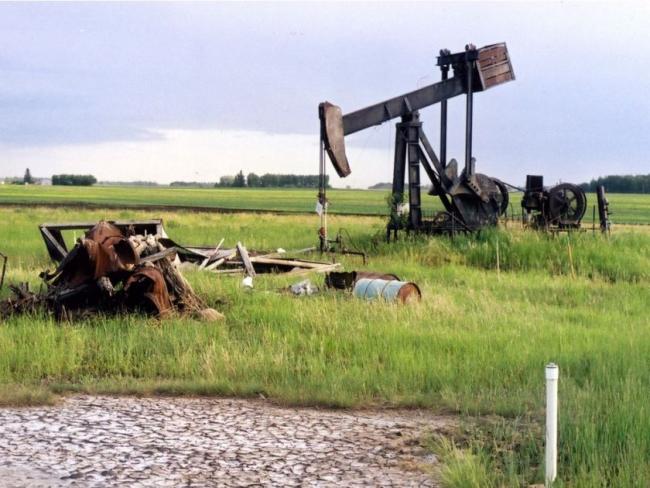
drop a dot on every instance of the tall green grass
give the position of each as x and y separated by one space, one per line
476 345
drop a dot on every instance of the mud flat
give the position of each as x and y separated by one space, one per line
109 441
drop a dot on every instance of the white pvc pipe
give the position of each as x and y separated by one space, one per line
552 376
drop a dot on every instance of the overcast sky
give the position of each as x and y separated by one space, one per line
195 91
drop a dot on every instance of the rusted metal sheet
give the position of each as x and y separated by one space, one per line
148 283
103 252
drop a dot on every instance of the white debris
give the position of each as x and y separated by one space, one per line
304 287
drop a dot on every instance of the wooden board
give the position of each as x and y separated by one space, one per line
243 253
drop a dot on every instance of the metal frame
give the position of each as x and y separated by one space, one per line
56 245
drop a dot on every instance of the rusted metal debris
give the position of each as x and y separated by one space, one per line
112 269
56 245
216 259
128 266
23 301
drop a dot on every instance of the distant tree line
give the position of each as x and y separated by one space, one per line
620 184
129 183
28 179
73 180
381 186
269 180
191 184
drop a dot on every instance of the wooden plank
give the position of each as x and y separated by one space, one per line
228 271
220 261
288 262
214 265
496 70
323 269
212 254
497 80
250 271
159 255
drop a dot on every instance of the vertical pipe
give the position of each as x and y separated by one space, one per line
443 121
324 215
469 170
552 376
322 197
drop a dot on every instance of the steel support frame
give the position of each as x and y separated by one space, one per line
469 107
444 70
409 142
412 147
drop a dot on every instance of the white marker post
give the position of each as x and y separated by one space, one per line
552 376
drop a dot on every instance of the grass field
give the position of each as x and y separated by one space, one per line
625 208
476 345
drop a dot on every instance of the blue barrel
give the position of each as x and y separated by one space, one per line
390 290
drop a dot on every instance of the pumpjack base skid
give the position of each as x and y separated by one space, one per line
443 223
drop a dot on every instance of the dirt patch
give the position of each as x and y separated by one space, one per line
109 441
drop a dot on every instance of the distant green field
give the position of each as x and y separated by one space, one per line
625 208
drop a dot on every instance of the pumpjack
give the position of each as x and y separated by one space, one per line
471 200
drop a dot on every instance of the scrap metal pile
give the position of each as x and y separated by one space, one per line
112 269
133 266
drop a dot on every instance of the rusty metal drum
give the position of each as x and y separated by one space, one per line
389 290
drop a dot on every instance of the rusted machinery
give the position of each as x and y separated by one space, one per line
113 268
559 207
471 200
